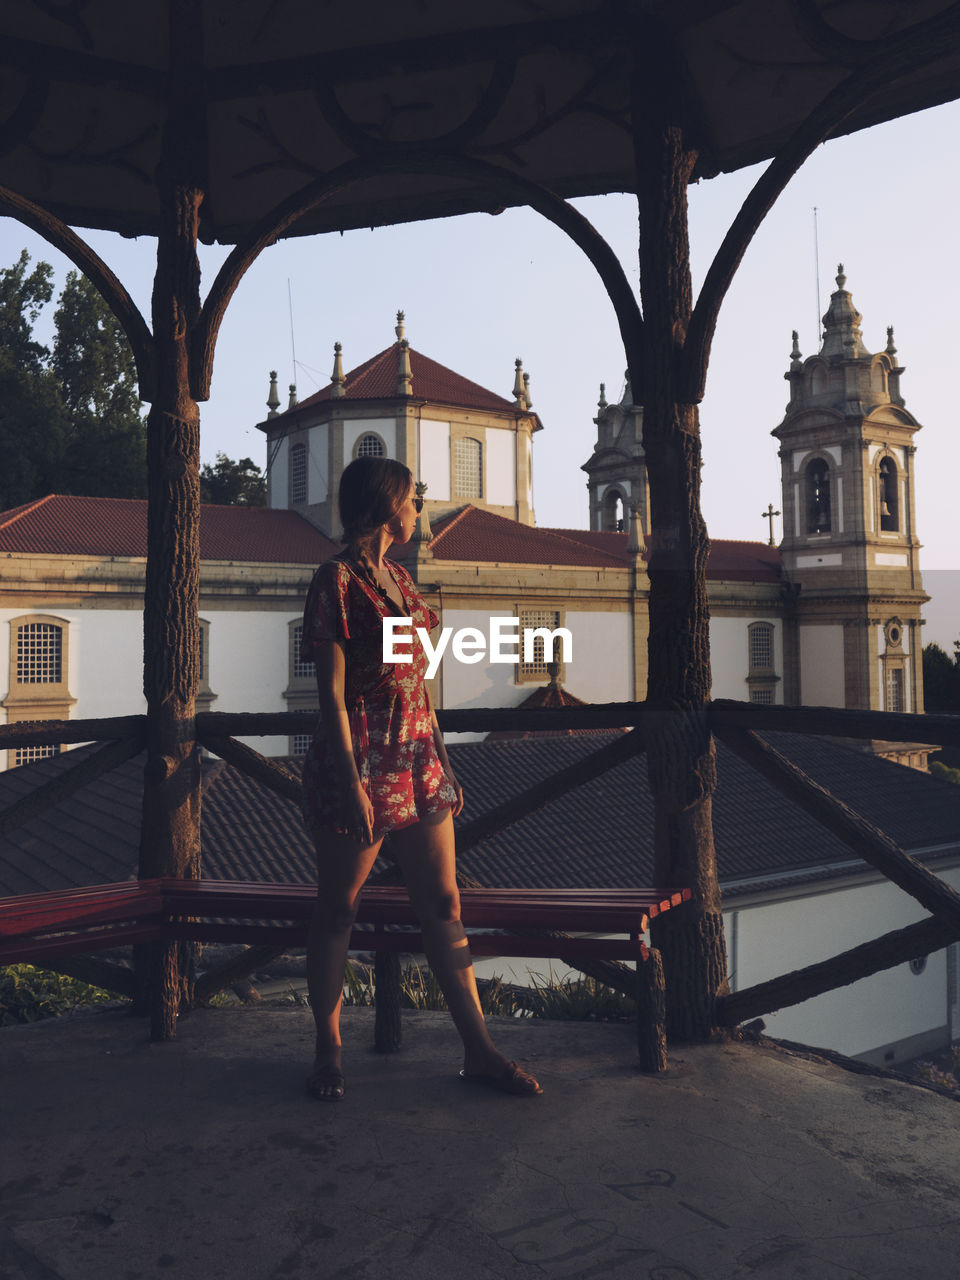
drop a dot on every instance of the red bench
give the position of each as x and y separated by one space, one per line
513 922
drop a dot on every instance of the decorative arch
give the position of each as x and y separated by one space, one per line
613 510
370 445
888 494
817 494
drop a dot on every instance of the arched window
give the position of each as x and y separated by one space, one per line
818 497
298 473
889 496
613 512
369 446
468 468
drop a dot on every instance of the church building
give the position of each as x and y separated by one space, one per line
831 617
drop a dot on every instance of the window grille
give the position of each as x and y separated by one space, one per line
39 653
370 446
301 743
529 619
24 755
761 647
762 697
298 473
894 689
301 670
468 468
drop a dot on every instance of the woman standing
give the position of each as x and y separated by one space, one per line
377 764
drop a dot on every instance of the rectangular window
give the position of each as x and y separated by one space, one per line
468 468
39 653
761 647
23 755
301 670
301 742
894 689
298 473
530 619
762 697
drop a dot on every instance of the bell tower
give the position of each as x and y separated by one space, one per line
616 471
849 521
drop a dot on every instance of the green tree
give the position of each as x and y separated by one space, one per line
33 421
106 445
233 484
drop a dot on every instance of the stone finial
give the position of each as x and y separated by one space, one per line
553 671
292 400
404 372
518 394
401 328
273 395
890 349
339 388
626 399
422 531
526 390
635 534
795 355
842 338
841 278
602 402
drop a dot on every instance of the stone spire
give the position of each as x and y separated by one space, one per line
795 354
422 531
404 372
519 398
602 402
273 395
292 399
841 325
339 388
526 390
627 398
635 535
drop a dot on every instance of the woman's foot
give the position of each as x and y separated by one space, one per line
326 1082
495 1072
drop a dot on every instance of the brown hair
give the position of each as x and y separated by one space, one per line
371 492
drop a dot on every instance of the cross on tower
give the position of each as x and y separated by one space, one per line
768 515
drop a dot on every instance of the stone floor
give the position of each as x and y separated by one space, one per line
204 1158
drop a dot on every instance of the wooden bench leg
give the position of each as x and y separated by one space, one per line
651 1013
388 1030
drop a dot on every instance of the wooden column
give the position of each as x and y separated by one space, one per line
680 750
170 838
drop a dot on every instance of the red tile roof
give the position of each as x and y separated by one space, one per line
732 561
472 534
546 695
376 379
61 524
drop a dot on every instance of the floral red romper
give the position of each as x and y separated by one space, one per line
390 722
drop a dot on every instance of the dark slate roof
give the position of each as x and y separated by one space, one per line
600 834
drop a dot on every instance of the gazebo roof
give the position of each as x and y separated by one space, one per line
282 95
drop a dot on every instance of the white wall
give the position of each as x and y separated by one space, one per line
318 463
772 939
602 666
821 666
500 487
730 656
435 458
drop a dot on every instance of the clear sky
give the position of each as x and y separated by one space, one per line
478 291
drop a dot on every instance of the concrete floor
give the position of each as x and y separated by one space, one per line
205 1159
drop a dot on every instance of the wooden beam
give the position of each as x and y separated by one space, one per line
67 782
263 769
41 733
859 962
871 844
882 726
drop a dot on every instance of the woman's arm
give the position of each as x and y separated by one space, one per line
358 809
444 758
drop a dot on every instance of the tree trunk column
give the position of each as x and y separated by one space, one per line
680 751
170 838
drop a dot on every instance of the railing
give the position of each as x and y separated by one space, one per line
734 723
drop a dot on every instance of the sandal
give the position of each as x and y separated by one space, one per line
326 1083
510 1079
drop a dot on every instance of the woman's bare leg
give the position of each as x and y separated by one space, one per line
342 871
425 853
